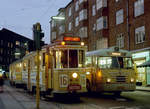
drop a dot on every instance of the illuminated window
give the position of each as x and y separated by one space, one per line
17 43
140 34
8 44
11 45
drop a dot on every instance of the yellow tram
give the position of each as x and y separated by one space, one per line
110 70
62 68
15 74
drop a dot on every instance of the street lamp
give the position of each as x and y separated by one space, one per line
58 18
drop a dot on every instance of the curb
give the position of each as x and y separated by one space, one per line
142 90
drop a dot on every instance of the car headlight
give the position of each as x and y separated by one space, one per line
74 75
108 80
132 80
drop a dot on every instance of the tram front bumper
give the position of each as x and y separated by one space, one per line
117 87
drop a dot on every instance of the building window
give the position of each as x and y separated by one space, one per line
53 35
83 32
61 29
102 43
102 23
80 1
138 7
119 17
8 44
70 26
77 5
70 11
83 15
53 23
1 42
11 45
94 27
17 43
77 21
120 41
100 4
93 10
140 34
1 50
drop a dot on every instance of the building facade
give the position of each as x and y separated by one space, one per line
12 47
107 23
129 29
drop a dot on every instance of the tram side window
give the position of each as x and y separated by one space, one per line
43 59
73 59
94 59
64 58
54 59
24 66
104 62
128 63
61 59
88 62
115 62
81 58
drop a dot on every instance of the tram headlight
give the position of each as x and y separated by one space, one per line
132 80
87 73
108 80
82 43
74 75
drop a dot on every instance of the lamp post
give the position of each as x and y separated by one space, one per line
58 18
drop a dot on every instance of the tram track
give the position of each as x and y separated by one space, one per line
7 91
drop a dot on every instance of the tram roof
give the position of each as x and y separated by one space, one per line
107 51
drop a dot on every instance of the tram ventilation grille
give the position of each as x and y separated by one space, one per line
121 79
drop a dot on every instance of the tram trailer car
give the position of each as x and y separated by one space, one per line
15 74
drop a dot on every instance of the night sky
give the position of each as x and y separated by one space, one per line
20 15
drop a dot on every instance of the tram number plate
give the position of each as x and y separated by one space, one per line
74 87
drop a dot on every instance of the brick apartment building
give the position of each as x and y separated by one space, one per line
107 23
75 23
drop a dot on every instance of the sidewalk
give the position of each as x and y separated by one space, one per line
142 88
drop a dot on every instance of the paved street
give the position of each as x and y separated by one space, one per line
13 98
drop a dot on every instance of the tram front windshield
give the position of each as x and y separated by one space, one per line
115 62
69 58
